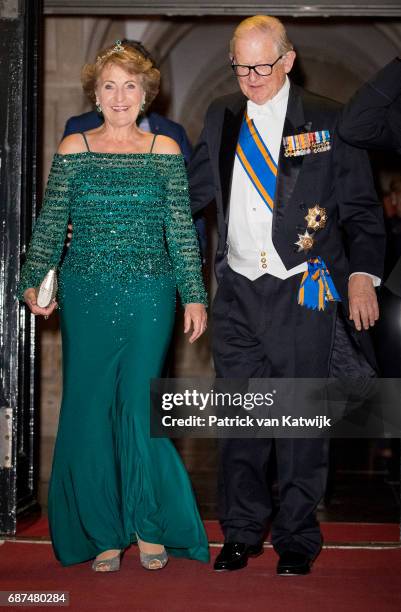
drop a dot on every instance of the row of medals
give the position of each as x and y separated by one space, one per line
304 144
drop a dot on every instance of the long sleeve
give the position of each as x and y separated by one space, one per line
360 212
46 245
372 118
181 236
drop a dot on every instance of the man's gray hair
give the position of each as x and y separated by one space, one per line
267 25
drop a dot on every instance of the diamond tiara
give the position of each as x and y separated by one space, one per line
118 48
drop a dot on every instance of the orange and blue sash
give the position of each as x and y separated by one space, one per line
257 161
317 287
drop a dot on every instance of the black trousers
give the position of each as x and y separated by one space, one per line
259 330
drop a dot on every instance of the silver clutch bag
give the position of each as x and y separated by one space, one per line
47 290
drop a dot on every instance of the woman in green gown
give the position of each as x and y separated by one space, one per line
126 194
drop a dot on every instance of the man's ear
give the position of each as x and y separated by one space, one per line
288 61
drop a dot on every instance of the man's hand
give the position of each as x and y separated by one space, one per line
363 306
195 315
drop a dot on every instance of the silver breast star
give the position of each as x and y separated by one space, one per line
305 242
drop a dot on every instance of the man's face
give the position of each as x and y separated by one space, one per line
259 48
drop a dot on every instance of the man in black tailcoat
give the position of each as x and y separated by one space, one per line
293 202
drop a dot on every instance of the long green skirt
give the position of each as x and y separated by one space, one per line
110 480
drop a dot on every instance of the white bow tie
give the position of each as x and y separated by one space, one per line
258 110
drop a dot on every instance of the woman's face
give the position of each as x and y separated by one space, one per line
120 95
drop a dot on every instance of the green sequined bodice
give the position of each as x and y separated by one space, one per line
130 216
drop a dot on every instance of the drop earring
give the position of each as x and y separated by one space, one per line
143 105
98 107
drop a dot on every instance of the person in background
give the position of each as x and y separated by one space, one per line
372 120
392 200
392 215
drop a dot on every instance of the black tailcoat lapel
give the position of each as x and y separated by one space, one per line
289 167
231 128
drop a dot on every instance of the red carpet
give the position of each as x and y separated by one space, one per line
333 532
342 580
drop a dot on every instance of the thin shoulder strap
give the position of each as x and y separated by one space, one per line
86 142
153 142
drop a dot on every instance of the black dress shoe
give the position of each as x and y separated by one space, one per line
234 556
293 563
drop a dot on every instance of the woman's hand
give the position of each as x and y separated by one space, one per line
30 299
195 315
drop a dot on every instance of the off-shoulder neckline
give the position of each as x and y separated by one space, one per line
177 155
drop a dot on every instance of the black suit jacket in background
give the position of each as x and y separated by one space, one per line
338 180
372 118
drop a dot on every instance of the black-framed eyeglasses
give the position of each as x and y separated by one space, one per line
242 70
